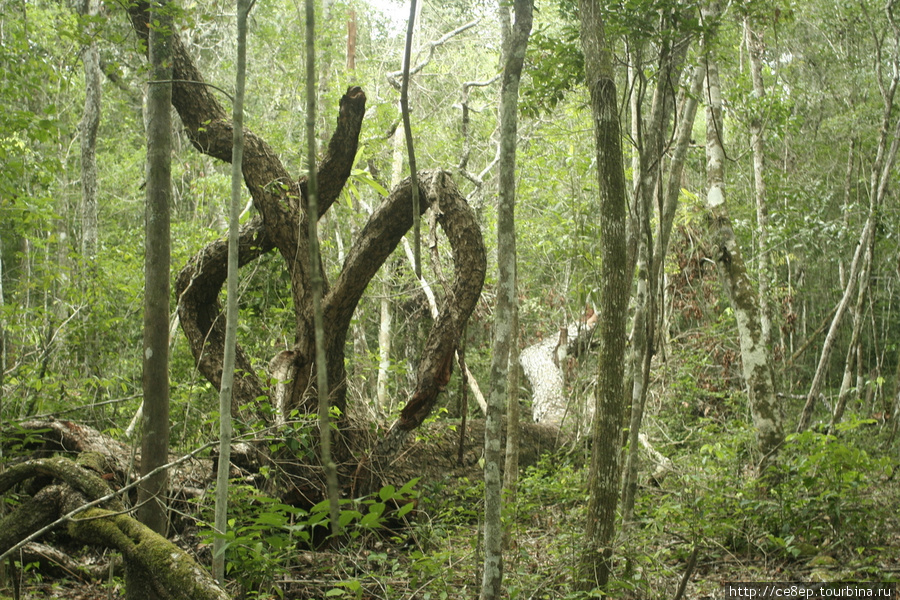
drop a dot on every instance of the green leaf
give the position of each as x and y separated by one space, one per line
386 493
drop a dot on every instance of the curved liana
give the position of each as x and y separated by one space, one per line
281 203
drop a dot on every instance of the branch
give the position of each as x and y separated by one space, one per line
392 76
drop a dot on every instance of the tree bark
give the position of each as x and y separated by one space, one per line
155 440
155 567
378 239
605 470
755 356
90 123
223 469
755 49
514 43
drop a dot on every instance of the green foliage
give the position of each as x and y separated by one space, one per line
265 534
823 494
554 65
827 489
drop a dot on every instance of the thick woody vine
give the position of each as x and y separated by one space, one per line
281 203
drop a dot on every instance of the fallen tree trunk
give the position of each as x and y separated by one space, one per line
154 566
544 365
545 371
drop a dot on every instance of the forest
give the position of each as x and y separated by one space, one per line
401 300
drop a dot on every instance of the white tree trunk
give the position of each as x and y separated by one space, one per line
223 471
90 123
755 356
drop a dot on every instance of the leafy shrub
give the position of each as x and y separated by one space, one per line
822 493
826 489
264 534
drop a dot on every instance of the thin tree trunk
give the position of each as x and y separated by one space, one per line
407 131
673 187
605 470
755 360
880 177
651 150
514 42
853 347
90 123
316 277
755 50
155 441
513 416
385 404
231 309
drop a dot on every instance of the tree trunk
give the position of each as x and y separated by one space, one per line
652 153
755 357
385 404
90 123
514 42
407 132
853 347
317 279
605 470
755 50
879 178
155 440
231 312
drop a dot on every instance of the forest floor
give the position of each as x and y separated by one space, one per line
836 520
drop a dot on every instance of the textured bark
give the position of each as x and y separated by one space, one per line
605 470
155 421
388 223
755 49
514 43
90 123
282 204
755 356
155 567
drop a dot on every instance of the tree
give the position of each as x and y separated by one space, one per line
282 204
155 441
223 472
90 123
515 41
312 196
650 138
755 356
879 177
606 434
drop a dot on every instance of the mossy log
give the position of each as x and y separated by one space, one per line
155 568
